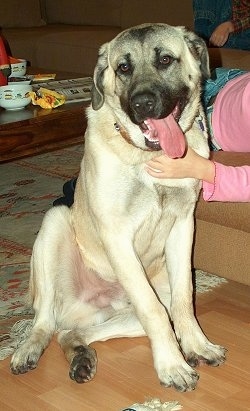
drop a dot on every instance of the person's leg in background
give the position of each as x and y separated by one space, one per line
239 40
68 194
208 14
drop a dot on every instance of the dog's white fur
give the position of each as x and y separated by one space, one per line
118 263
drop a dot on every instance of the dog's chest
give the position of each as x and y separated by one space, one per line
167 205
158 215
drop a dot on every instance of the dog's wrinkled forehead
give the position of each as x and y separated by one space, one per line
148 41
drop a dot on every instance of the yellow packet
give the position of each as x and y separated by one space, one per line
43 77
46 98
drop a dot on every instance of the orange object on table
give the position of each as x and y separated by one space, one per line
14 60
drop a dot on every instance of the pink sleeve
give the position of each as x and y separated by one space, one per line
230 184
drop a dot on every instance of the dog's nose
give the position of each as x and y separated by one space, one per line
143 104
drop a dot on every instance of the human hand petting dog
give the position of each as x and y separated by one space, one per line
220 35
192 165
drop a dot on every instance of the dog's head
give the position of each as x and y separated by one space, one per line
153 72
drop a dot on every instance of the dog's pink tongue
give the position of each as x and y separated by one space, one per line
169 134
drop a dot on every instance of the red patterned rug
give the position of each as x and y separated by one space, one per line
28 188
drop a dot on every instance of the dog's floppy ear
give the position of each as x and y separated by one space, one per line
97 94
198 48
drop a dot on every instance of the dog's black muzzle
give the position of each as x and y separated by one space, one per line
144 105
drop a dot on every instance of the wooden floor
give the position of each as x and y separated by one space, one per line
125 373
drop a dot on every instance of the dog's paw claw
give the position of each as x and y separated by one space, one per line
214 356
22 368
181 379
25 359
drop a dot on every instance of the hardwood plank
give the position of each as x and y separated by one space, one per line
125 368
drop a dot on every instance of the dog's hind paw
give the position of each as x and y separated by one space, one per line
83 365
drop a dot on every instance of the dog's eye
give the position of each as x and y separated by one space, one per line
124 68
165 60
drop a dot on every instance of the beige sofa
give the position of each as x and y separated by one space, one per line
66 35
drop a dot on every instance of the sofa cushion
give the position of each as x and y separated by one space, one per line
22 41
91 12
12 16
233 215
73 51
174 13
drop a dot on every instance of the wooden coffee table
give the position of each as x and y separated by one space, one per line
34 130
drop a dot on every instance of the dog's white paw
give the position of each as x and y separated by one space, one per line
182 377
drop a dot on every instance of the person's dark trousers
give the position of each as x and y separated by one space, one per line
68 191
209 14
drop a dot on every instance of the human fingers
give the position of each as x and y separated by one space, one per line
154 172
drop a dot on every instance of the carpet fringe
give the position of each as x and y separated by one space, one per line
155 404
205 282
18 334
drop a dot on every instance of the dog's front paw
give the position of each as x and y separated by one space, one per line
83 365
24 359
210 354
181 377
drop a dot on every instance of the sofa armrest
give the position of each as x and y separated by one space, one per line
229 58
231 159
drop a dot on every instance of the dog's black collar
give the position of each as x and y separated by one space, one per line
123 133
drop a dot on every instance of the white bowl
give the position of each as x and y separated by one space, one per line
19 80
15 96
18 69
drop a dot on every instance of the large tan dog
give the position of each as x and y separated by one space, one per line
117 264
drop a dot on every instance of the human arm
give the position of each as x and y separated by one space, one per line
220 35
230 184
192 165
220 182
240 21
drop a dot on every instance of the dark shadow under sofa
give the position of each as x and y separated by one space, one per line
62 35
